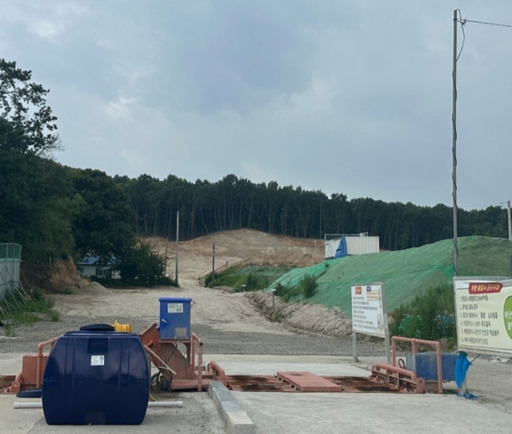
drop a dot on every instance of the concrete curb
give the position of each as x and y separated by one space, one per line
235 419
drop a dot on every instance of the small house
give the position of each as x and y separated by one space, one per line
90 266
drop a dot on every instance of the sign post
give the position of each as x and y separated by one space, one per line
369 315
483 309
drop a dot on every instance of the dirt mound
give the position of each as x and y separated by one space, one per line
64 276
198 256
311 318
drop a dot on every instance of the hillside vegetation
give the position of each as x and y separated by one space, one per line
57 212
405 274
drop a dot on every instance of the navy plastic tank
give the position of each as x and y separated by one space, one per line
96 376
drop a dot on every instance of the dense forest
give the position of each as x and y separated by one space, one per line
57 212
234 203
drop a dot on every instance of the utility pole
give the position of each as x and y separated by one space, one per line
177 242
213 262
509 222
454 147
166 252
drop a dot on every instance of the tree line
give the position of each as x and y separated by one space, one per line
234 203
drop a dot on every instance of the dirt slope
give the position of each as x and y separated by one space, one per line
195 260
195 257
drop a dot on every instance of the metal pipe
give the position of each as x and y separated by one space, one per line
395 370
39 368
165 404
439 355
151 404
216 370
24 405
393 351
199 342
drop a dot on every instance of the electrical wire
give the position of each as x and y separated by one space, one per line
487 23
462 23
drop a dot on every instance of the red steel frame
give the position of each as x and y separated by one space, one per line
414 345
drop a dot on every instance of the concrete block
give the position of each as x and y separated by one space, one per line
236 420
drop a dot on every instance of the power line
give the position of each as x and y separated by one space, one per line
487 23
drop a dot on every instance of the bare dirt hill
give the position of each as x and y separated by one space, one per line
195 257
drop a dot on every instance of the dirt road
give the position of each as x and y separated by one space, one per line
228 323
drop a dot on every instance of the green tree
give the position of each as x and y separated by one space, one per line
105 223
139 264
26 121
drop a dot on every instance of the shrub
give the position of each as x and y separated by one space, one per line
141 266
430 316
251 282
308 286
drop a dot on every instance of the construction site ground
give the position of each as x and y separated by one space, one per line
243 341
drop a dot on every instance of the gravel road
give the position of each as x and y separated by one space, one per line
227 323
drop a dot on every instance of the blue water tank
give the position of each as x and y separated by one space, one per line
96 376
174 318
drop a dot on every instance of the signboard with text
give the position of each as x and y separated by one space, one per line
483 308
368 313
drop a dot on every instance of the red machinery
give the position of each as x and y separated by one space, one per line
179 361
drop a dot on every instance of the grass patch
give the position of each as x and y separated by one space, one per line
17 308
248 278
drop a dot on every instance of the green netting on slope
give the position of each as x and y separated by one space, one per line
485 256
405 273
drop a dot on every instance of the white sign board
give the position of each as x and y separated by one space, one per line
368 314
175 308
483 308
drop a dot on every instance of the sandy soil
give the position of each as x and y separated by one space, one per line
236 323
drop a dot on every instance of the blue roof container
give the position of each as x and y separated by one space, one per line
96 376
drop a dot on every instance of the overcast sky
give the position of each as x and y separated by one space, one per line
351 97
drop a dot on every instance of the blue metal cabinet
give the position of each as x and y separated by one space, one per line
174 318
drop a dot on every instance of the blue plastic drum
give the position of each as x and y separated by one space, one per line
96 376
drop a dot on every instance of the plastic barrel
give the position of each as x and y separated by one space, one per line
95 377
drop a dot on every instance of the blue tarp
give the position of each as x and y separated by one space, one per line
341 251
461 368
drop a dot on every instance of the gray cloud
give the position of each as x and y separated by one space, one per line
344 97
